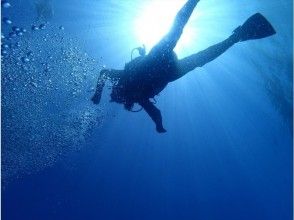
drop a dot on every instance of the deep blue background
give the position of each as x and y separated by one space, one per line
228 150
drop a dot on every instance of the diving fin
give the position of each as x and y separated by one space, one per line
255 27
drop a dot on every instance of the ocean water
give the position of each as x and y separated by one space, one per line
227 153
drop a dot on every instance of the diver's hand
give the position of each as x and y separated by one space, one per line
160 129
96 98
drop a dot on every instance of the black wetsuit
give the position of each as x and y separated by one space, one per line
147 76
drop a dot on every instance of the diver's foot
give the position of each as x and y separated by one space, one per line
160 129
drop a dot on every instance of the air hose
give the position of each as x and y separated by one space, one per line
141 50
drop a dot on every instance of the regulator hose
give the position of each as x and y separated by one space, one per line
141 50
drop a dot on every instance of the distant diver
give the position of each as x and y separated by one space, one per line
147 75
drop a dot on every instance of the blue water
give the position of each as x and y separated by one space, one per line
228 150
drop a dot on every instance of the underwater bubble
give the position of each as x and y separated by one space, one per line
23 30
4 52
49 140
92 89
5 4
19 33
6 46
2 36
34 84
6 20
15 28
42 26
34 28
61 28
25 59
17 44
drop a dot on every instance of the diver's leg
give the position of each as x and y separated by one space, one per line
199 59
154 113
105 74
255 27
169 41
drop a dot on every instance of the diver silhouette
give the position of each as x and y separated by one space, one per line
147 75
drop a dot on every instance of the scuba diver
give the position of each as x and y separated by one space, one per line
147 75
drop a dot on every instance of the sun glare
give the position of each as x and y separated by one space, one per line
155 20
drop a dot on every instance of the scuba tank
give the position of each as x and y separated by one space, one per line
142 52
119 93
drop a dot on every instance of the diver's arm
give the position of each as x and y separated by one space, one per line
169 41
154 113
105 74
